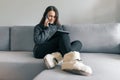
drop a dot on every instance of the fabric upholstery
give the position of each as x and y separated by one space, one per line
22 38
19 65
97 37
104 66
4 39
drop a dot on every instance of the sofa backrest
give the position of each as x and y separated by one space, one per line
96 37
16 38
21 38
4 39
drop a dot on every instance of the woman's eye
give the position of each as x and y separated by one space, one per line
52 16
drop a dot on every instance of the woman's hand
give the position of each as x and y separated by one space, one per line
46 23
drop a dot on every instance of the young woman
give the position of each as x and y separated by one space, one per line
52 43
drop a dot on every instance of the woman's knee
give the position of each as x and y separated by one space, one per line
77 43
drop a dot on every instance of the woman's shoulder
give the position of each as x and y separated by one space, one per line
38 26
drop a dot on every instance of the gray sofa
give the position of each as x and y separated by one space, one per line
101 51
16 56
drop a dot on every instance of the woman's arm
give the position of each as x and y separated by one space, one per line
42 35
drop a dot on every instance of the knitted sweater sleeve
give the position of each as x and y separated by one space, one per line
43 34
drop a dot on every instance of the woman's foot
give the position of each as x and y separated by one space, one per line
51 60
72 63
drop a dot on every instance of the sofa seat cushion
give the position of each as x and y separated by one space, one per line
105 67
19 65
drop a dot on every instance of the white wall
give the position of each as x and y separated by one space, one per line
118 11
29 12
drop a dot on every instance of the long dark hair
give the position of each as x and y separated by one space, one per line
51 8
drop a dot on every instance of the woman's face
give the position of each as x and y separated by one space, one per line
51 16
